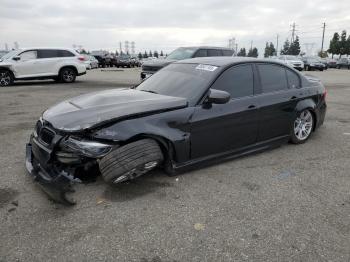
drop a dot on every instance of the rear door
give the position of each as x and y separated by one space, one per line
47 61
277 100
230 126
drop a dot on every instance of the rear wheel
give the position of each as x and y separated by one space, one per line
6 78
130 161
302 127
67 75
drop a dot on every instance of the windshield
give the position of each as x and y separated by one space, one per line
181 53
10 54
180 80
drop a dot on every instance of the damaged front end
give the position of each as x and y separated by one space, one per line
58 160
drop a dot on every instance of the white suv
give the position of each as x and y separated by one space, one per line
41 63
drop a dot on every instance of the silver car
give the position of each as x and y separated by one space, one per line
292 61
90 62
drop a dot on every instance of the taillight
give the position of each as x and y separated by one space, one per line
81 58
324 95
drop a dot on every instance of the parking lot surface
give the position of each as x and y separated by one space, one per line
287 204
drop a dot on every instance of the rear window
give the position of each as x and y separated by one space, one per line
293 79
201 53
227 52
65 53
214 52
273 77
49 53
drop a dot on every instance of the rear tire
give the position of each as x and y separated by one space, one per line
131 161
6 78
302 127
67 75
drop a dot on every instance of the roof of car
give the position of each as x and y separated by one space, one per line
225 60
207 47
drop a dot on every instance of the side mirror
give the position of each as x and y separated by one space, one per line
16 58
218 97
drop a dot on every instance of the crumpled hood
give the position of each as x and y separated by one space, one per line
90 110
159 62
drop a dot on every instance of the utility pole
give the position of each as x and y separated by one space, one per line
324 28
236 48
251 45
277 45
293 31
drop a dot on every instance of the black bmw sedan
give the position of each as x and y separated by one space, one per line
191 112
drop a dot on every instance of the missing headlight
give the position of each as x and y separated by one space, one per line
87 148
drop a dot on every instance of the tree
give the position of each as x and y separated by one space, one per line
242 52
348 46
286 47
269 50
294 48
155 54
334 45
145 55
253 52
139 55
116 53
161 53
272 49
83 51
322 54
343 44
150 54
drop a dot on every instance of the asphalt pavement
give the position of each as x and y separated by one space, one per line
287 204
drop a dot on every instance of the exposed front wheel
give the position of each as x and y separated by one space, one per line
67 75
6 78
130 161
302 127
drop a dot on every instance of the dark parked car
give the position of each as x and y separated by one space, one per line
312 63
332 63
343 62
191 112
152 66
104 60
124 61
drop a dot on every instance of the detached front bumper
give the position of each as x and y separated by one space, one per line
57 184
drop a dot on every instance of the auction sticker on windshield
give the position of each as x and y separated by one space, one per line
206 67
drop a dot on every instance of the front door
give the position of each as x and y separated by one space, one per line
224 127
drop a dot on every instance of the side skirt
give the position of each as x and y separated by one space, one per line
232 154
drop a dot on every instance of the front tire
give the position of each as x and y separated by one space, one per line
302 127
131 161
6 78
67 75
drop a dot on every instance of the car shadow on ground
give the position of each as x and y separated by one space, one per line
144 185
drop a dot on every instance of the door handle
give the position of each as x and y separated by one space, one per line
293 98
251 107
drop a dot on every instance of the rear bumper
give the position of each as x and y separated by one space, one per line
56 184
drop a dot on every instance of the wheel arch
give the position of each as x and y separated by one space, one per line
7 69
166 145
310 105
68 66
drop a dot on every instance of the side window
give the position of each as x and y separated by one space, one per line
227 52
65 53
293 79
28 55
201 53
273 77
47 53
214 52
237 80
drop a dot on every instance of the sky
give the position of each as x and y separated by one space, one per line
168 24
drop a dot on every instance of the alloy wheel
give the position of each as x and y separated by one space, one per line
303 125
68 75
5 78
136 172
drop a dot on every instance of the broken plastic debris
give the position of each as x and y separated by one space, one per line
198 226
100 200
